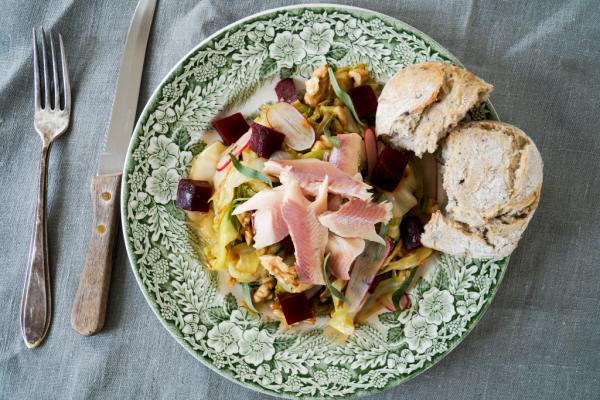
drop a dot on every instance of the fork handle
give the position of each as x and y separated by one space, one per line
36 303
89 308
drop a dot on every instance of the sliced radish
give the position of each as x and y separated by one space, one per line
380 298
364 271
285 118
375 282
280 155
371 147
236 149
404 302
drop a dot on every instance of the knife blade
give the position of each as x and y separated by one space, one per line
89 307
122 116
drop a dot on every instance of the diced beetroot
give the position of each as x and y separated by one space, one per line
375 283
287 244
363 99
265 141
193 195
295 307
231 128
389 169
286 91
411 229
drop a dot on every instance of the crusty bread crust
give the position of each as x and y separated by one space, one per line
493 178
422 102
490 169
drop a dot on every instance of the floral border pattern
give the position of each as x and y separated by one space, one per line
166 252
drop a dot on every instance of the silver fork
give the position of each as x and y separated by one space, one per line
50 122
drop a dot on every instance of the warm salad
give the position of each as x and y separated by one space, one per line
307 210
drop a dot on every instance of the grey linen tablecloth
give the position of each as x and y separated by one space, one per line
540 337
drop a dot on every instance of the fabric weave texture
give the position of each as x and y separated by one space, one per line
539 337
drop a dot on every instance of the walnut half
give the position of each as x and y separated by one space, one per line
317 86
265 291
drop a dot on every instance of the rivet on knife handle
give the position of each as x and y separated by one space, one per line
89 308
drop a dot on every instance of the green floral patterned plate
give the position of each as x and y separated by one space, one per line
236 70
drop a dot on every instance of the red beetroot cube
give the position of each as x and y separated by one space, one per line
389 169
286 90
363 99
231 128
193 195
265 141
411 230
287 244
295 307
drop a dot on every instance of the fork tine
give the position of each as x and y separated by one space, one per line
55 73
46 76
65 75
36 75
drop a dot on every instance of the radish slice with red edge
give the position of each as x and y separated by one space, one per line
375 282
371 147
236 149
285 118
365 269
404 302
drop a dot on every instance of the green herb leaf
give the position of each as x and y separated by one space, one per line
400 292
242 196
248 297
229 214
316 153
334 142
425 203
383 233
232 217
331 288
250 172
343 96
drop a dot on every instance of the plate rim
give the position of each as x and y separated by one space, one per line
143 116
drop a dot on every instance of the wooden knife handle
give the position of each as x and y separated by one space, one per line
89 308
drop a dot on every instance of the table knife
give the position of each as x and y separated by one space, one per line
89 308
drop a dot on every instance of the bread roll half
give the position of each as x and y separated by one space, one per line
422 102
493 178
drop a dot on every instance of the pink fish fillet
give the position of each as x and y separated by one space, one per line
346 156
343 252
357 218
308 235
269 224
311 172
319 206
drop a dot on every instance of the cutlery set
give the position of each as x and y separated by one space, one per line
52 102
